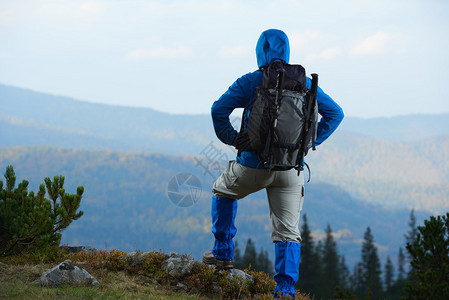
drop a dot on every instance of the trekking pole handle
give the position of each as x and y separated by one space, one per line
314 86
279 86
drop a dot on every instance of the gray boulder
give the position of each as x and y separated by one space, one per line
136 258
177 264
65 272
239 274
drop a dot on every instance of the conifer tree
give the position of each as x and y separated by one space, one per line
32 222
330 262
258 261
370 285
411 234
389 277
401 265
250 255
397 290
430 260
237 257
344 274
264 263
309 268
356 280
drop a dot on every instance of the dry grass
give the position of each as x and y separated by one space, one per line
16 282
121 278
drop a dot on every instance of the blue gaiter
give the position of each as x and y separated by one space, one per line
286 265
223 213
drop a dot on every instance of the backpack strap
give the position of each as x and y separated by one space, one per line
311 102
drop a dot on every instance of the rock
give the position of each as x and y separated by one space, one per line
240 274
216 289
134 255
182 286
134 259
77 249
177 264
65 272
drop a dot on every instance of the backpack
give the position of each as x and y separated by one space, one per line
281 126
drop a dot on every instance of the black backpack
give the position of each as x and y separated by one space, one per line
281 126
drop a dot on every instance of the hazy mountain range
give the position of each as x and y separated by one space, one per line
127 205
371 172
398 162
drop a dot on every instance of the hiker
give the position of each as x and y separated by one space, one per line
246 175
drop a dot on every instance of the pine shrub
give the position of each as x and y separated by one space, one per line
30 222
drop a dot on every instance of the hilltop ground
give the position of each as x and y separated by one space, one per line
124 279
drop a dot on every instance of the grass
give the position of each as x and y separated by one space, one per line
16 282
122 278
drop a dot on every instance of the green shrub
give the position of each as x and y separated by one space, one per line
30 222
429 275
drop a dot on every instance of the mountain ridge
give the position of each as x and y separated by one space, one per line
393 172
14 100
126 204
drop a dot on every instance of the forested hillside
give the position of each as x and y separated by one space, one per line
397 174
398 162
126 204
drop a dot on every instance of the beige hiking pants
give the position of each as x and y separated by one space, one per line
285 191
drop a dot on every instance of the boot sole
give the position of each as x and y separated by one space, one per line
219 263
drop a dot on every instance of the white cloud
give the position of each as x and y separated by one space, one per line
343 234
374 44
91 8
234 51
161 52
64 10
319 234
6 16
303 39
326 54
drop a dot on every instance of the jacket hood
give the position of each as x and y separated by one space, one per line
272 44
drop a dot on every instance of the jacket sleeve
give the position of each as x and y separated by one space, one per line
331 115
237 96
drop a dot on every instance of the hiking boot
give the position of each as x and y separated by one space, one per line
210 259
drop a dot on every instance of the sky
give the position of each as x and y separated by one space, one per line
374 58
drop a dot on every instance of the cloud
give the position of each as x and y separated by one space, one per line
343 234
91 8
6 16
327 54
304 38
234 51
346 234
374 44
160 52
67 11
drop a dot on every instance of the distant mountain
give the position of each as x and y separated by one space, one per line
32 118
397 162
35 118
400 174
409 128
127 205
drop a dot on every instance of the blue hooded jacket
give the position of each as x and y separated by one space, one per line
272 45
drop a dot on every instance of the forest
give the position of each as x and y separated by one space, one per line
31 223
422 264
126 205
